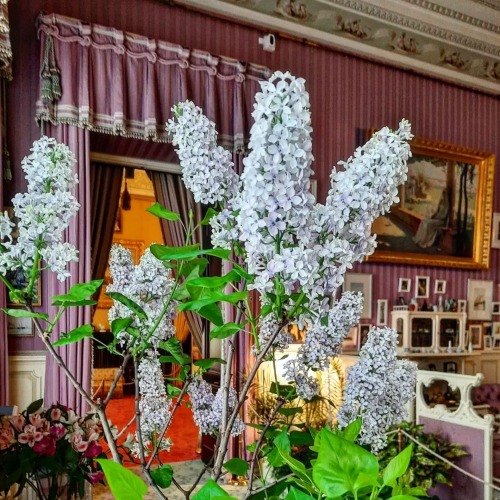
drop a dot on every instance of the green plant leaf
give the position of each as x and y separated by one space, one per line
298 468
75 335
77 293
295 494
34 407
282 442
212 298
173 392
160 211
118 325
207 363
339 465
397 466
123 483
136 308
23 313
236 466
225 330
163 475
213 313
208 215
351 432
210 491
174 347
290 411
404 497
214 281
300 438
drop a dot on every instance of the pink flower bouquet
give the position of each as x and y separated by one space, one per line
47 448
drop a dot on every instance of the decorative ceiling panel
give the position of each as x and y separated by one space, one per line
455 40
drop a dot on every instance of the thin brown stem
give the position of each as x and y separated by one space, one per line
243 394
200 475
130 422
119 373
279 403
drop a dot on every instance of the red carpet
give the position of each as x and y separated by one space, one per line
183 431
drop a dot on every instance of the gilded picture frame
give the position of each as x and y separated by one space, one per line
444 214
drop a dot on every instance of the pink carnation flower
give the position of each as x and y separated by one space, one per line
46 447
57 431
93 450
95 477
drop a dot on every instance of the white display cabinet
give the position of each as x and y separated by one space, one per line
429 332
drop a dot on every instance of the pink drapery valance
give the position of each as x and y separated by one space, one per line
125 84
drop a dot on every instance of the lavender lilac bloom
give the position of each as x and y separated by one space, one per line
289 242
43 213
378 388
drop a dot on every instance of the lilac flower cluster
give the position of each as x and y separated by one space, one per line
207 169
378 388
148 284
43 212
207 407
323 342
154 405
267 327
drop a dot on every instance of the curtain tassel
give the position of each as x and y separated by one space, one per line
49 74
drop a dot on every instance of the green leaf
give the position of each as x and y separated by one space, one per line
123 483
295 494
75 335
174 347
297 467
225 330
236 466
77 293
397 466
213 313
218 252
342 466
173 392
404 497
351 432
163 475
34 407
282 442
163 252
136 308
242 272
298 438
22 313
160 211
209 491
209 214
207 363
214 281
212 298
118 325
75 303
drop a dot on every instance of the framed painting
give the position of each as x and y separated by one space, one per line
382 306
476 336
20 327
361 282
136 248
404 285
443 217
364 330
422 285
351 340
480 299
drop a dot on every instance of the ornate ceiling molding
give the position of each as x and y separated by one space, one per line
453 40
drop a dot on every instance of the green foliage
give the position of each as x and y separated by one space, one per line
124 484
75 335
163 475
22 313
210 491
424 470
236 466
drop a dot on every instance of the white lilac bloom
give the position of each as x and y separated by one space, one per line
43 212
267 328
149 284
207 169
323 342
276 199
378 388
154 405
207 407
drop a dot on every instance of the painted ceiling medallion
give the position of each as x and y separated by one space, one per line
455 40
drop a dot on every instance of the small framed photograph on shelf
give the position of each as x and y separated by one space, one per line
19 327
450 367
361 282
363 334
495 308
440 286
404 285
462 306
350 343
382 305
422 284
495 329
480 298
476 336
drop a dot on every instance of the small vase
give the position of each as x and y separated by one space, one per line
61 492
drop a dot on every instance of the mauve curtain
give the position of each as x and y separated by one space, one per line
105 181
126 84
171 193
78 356
5 72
